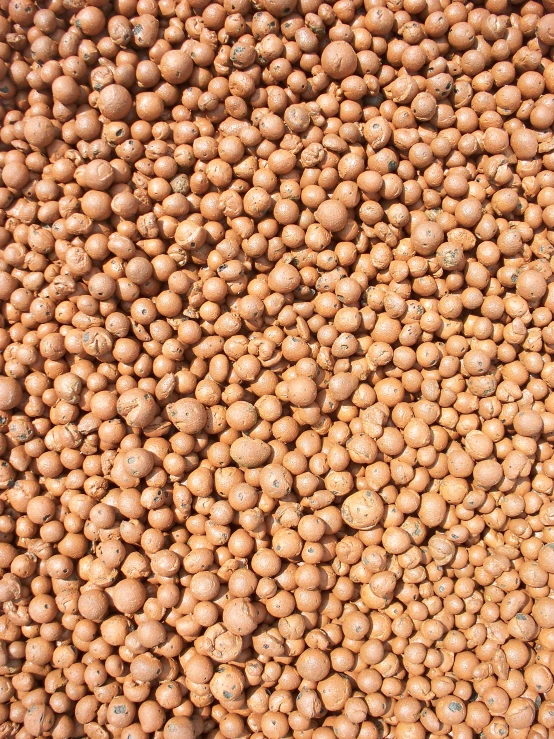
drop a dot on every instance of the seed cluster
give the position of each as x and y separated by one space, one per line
276 334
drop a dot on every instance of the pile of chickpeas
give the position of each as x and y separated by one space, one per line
276 336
